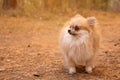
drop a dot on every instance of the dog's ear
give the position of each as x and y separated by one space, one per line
78 16
91 21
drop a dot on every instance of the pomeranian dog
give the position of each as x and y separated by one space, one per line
79 42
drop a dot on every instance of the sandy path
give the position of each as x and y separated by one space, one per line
29 50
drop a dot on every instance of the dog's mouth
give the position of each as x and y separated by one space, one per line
72 34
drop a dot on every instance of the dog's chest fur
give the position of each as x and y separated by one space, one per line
78 48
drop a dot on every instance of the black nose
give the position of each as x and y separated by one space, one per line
68 31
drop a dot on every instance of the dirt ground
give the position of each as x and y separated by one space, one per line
29 49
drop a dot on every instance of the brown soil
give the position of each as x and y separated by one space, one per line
29 49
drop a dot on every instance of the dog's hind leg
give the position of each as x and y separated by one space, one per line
89 65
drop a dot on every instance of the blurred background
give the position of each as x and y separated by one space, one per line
35 7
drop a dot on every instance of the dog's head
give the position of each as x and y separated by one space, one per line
79 23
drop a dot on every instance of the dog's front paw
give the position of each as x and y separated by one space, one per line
88 69
72 70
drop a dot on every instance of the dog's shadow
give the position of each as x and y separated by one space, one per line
80 69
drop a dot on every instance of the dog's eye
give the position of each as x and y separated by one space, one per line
77 28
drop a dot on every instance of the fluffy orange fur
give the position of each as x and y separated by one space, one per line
79 42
